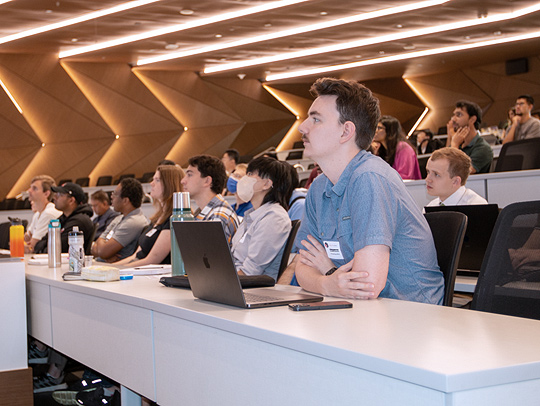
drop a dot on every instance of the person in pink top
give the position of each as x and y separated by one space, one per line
395 149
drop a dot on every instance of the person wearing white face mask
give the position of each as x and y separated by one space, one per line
240 207
258 244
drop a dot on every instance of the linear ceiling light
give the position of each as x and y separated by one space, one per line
372 41
85 17
400 57
294 31
4 1
11 96
179 27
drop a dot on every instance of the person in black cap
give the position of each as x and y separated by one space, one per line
71 201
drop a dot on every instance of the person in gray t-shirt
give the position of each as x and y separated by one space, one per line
524 126
120 238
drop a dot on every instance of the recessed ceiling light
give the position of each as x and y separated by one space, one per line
171 47
324 13
180 27
218 36
74 39
71 21
375 40
409 47
268 25
403 56
294 31
399 25
187 12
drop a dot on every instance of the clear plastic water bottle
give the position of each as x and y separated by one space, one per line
76 250
181 212
54 244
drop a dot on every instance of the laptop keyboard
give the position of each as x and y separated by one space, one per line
251 298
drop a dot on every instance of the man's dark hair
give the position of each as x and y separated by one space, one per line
427 131
281 175
528 98
355 103
100 196
211 166
132 189
233 154
166 162
472 109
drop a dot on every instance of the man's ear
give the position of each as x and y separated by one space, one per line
349 131
456 181
208 181
472 120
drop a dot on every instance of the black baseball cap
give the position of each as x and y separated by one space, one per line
72 189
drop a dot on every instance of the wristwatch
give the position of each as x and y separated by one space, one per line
331 271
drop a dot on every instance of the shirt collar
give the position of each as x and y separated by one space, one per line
343 181
455 197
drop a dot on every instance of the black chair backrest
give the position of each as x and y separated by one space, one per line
62 181
4 235
288 247
509 281
519 155
82 182
448 229
104 181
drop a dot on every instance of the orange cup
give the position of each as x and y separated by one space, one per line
16 241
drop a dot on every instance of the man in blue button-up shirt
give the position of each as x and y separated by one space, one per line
363 234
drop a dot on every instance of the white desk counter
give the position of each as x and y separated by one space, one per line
162 343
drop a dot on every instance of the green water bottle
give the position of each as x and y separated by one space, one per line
181 212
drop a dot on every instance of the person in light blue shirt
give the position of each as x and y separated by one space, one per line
363 235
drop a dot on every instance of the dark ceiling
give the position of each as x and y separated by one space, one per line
21 15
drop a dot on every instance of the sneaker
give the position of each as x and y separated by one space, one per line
68 397
35 356
97 397
47 383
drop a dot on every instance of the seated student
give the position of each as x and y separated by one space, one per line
395 148
205 179
447 172
257 245
40 196
155 244
71 201
120 238
425 142
359 208
104 213
239 172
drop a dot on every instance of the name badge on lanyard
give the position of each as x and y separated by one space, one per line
333 249
151 232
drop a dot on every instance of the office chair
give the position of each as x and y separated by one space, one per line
288 247
509 280
62 181
294 155
4 235
448 229
83 182
519 155
104 180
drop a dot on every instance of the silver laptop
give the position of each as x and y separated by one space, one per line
212 274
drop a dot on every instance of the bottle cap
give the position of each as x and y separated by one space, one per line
181 200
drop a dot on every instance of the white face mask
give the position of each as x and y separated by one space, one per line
244 188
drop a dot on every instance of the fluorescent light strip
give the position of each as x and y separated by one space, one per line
373 41
179 27
76 20
404 56
426 110
4 1
294 31
10 96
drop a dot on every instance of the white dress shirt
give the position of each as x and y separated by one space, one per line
460 197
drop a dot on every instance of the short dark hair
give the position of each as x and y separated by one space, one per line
281 175
355 103
166 162
100 196
472 110
528 98
427 131
132 189
211 166
233 154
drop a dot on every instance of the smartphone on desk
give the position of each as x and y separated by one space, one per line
338 304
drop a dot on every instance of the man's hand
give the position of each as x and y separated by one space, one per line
315 255
459 137
348 284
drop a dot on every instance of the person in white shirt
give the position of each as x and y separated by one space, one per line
447 172
40 196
